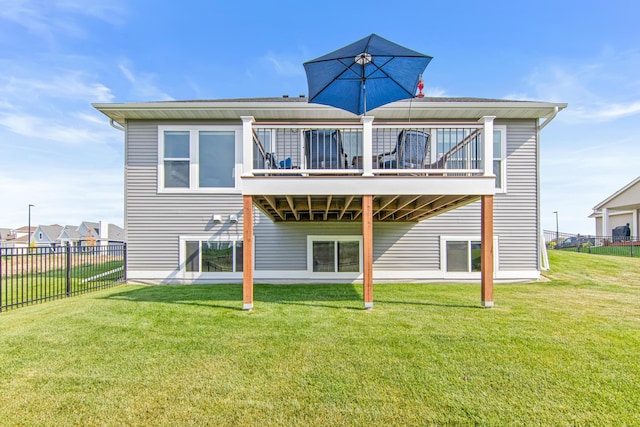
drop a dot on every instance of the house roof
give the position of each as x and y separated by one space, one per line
626 198
71 232
265 109
51 231
116 233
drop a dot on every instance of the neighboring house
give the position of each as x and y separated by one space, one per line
69 234
282 190
87 234
46 235
619 209
7 237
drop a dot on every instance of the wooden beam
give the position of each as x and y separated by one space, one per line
247 252
426 201
486 260
272 202
384 204
310 208
449 203
367 250
326 211
401 204
347 202
293 207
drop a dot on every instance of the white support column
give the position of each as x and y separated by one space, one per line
247 145
605 223
634 224
367 145
487 153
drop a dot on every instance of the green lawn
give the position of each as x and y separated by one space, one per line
563 352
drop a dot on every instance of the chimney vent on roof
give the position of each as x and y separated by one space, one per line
285 96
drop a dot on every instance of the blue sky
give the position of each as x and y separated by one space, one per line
59 56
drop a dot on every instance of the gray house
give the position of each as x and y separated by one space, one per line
281 190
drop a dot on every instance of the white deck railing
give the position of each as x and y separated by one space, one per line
410 149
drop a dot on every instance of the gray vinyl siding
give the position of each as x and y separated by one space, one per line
155 221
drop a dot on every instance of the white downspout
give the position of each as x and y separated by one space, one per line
551 117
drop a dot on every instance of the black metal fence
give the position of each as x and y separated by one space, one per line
34 275
619 245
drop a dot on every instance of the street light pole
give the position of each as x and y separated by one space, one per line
557 229
29 226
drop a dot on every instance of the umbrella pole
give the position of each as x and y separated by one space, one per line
364 94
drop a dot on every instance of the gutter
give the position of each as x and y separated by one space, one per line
120 128
551 117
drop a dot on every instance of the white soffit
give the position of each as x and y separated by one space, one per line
299 109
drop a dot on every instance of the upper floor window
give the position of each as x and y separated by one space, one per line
200 158
500 157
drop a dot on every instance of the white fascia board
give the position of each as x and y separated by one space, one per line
368 185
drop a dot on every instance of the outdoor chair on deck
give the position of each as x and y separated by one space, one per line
324 149
411 152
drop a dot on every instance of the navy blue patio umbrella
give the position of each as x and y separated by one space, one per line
365 75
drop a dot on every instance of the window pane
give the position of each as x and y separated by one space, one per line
217 256
217 158
497 144
176 144
497 171
239 256
476 253
176 174
349 257
193 249
457 256
324 257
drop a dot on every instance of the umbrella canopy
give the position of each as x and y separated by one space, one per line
364 75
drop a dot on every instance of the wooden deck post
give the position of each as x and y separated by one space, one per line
486 262
247 253
367 250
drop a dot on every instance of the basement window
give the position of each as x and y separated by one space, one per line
202 255
334 254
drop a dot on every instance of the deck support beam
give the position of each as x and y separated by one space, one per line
367 250
247 252
486 260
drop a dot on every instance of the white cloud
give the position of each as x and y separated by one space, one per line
47 128
143 86
284 66
601 89
62 196
50 19
70 85
435 92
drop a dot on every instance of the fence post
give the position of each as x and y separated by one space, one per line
124 248
68 251
1 279
631 240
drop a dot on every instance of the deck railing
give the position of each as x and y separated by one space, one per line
428 149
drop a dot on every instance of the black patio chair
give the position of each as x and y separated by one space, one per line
324 149
411 152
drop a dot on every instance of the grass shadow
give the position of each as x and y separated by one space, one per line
230 296
431 304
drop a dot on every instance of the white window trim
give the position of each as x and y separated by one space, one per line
464 238
194 162
334 238
503 159
182 257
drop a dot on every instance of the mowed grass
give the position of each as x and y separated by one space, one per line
563 352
